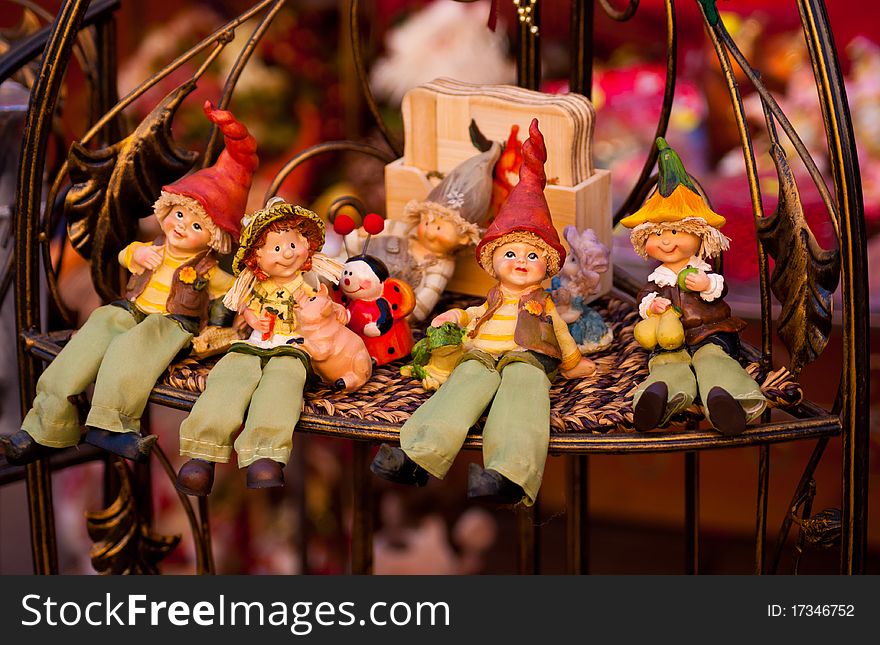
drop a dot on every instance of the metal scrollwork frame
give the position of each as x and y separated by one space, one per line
848 418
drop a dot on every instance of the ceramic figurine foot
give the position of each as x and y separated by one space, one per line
196 477
394 464
651 407
20 448
728 416
265 473
130 445
491 486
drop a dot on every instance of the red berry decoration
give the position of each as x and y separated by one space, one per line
374 223
344 224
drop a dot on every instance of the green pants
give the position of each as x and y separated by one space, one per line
123 357
238 384
517 430
710 366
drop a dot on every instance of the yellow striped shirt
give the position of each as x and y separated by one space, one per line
154 298
496 335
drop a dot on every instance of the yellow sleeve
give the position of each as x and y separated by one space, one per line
126 256
472 313
571 355
219 282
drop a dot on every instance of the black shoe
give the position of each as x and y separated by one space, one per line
394 464
20 448
725 412
491 486
195 477
651 407
131 445
265 473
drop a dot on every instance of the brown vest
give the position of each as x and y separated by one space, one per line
699 318
184 299
533 332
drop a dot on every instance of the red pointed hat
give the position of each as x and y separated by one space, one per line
222 190
525 216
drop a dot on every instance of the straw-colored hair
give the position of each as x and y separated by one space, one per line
551 255
414 210
713 241
220 241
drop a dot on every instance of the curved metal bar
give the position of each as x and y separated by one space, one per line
222 37
779 115
803 484
212 151
853 395
29 48
320 149
620 15
645 180
341 202
38 126
761 504
751 173
203 555
362 79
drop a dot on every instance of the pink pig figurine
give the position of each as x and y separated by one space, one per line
338 355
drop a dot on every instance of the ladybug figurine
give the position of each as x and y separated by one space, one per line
379 306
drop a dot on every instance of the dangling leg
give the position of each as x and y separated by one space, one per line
517 434
206 434
434 434
53 421
132 365
731 398
670 388
265 443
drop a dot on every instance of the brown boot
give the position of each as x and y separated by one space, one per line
131 445
725 412
651 408
265 473
196 477
20 448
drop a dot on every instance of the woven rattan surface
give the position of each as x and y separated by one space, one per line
599 404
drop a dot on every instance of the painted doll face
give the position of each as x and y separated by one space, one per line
519 264
358 281
283 254
671 246
440 235
185 230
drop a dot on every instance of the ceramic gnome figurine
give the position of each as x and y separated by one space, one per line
577 284
263 376
420 248
686 322
125 346
378 306
515 343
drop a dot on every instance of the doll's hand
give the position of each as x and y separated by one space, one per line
659 305
260 324
148 257
585 367
372 330
445 317
698 281
240 323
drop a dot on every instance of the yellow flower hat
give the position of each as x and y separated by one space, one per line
676 197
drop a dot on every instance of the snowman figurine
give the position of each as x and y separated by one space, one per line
379 306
